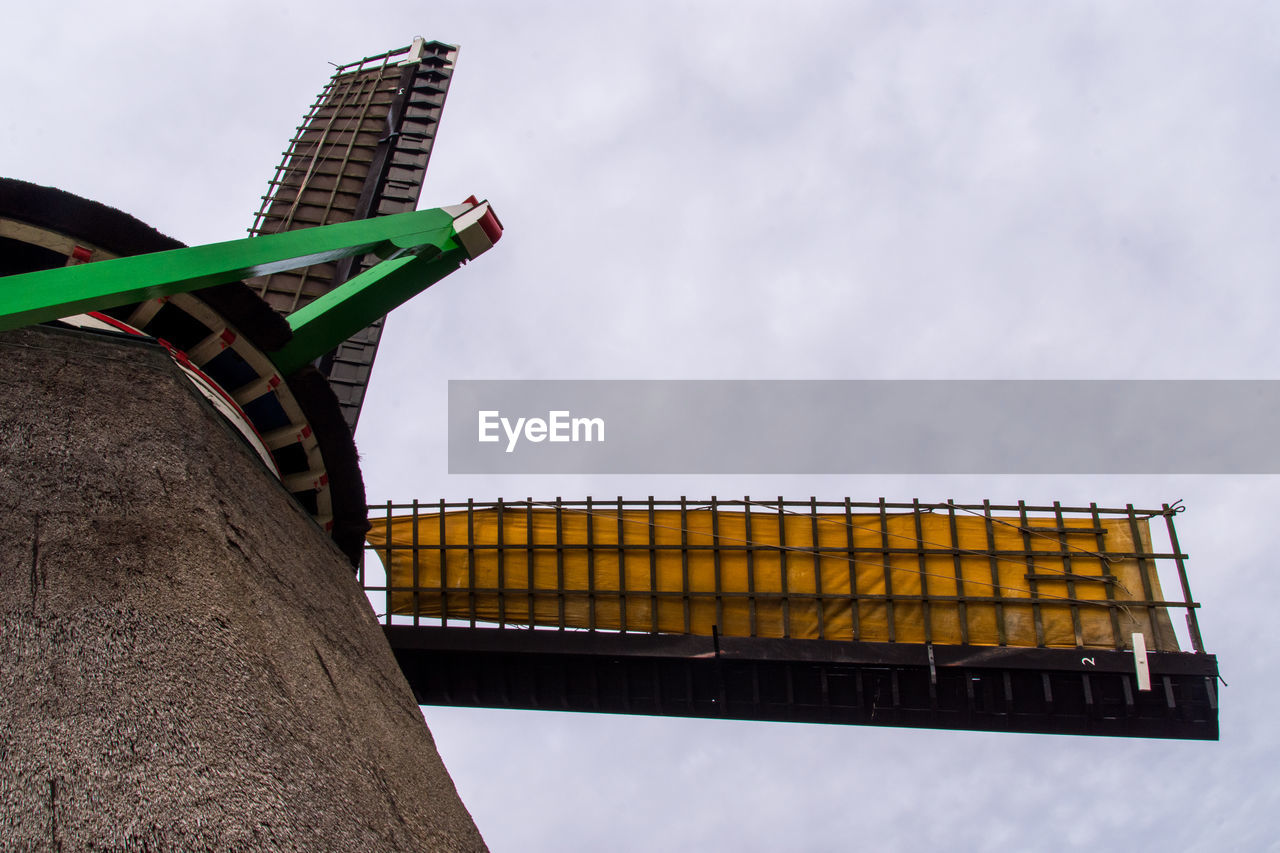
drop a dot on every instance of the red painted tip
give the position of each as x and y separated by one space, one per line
491 226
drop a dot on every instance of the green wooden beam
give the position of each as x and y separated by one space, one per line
38 297
323 324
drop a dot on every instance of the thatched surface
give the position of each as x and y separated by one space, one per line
186 662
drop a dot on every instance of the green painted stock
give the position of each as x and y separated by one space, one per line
49 294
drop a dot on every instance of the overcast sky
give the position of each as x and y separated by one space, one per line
750 190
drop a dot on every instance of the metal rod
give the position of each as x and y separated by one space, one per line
502 564
817 563
591 569
622 570
560 591
783 570
684 564
417 577
995 572
962 607
715 556
1032 586
1193 624
888 575
854 605
924 589
751 567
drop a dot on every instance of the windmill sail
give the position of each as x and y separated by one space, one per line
905 577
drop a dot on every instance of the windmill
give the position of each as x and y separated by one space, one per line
997 617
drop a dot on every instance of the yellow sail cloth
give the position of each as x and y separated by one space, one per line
912 578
